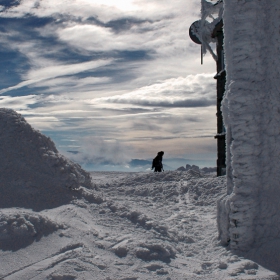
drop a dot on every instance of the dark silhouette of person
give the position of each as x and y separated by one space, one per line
157 162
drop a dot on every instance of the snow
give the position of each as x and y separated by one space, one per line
32 167
249 215
210 16
20 228
106 225
197 169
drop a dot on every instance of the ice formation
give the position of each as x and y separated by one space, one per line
32 168
210 16
249 216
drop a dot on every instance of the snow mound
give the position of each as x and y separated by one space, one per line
205 192
147 178
20 228
150 251
32 168
173 186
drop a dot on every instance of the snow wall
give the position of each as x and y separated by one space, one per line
249 215
33 173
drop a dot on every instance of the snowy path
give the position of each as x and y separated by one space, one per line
146 226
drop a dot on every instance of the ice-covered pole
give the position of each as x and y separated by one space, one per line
250 214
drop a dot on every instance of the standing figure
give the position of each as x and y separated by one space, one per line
157 162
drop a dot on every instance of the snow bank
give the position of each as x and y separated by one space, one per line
33 173
19 228
249 215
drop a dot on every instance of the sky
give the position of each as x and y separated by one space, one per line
110 80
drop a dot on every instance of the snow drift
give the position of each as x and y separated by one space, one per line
32 168
19 228
249 215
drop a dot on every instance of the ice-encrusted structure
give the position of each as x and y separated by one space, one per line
249 215
210 16
33 173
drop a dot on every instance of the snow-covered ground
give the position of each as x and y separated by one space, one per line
59 222
128 226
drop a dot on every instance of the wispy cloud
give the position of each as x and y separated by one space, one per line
42 74
113 72
192 91
18 102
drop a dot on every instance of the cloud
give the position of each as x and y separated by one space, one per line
49 72
131 115
87 30
121 72
191 91
144 126
73 82
126 117
106 9
97 150
141 34
19 102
